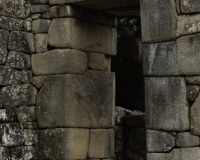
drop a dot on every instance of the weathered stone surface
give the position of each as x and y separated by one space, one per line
29 136
18 60
193 80
158 20
59 61
166 104
137 137
4 153
160 59
82 35
29 125
185 139
89 97
12 134
192 92
21 42
39 8
63 143
39 1
40 25
35 16
41 43
81 13
8 23
17 9
18 95
134 120
39 81
99 62
159 141
8 115
27 76
189 6
101 143
26 114
156 156
188 52
3 45
24 152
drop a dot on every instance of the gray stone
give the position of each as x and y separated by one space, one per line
27 25
189 6
134 121
4 154
8 23
185 139
188 24
193 80
99 62
39 8
192 92
81 13
62 143
39 1
29 136
27 76
188 52
39 81
137 137
156 156
24 152
101 143
35 16
16 9
41 43
159 20
89 97
3 45
160 59
29 125
40 25
59 61
159 141
18 60
21 42
166 104
26 114
8 115
18 95
12 134
82 35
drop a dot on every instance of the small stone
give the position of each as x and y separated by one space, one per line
4 153
8 23
193 80
39 8
189 6
26 114
29 136
192 92
41 43
39 1
39 81
24 152
3 45
40 25
12 134
29 125
27 26
8 115
27 76
35 16
185 139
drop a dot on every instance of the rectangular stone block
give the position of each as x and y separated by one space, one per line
101 144
189 6
186 139
89 97
59 61
62 143
4 35
39 8
41 43
159 20
40 25
166 104
82 35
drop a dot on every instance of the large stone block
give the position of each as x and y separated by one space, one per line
89 97
158 20
21 42
82 35
59 61
62 143
101 143
166 104
189 6
186 139
3 45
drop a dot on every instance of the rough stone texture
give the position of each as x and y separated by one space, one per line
40 25
163 15
192 92
160 59
29 136
35 16
39 81
63 143
39 1
4 153
26 114
41 43
185 139
165 99
82 35
12 134
81 13
101 143
159 141
27 25
16 9
8 23
8 115
188 52
21 42
18 60
18 95
39 8
99 62
134 120
27 76
89 97
59 61
24 152
188 24
3 45
156 156
29 125
193 80
189 6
